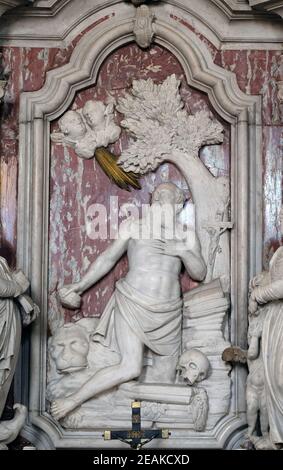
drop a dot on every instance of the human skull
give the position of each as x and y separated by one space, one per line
194 366
69 348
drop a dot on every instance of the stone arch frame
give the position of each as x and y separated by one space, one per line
38 109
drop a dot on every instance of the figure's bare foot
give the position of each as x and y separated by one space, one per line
262 443
62 406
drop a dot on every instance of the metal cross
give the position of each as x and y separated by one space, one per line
136 437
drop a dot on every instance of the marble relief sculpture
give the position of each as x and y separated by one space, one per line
160 130
266 353
15 308
143 30
150 342
95 363
194 366
255 393
88 129
148 308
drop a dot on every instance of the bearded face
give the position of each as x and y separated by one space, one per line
193 366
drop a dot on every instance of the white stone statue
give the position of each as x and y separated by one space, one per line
193 366
75 358
13 305
255 392
88 129
267 291
9 430
148 303
161 130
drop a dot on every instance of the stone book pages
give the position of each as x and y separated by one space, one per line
205 326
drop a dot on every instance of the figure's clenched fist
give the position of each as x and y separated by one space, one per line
69 296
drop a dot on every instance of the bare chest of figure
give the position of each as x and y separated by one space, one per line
150 254
153 271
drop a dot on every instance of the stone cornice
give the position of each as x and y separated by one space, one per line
269 6
8 4
226 23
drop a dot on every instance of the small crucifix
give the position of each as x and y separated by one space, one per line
136 437
215 229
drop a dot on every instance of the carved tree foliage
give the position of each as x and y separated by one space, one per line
156 118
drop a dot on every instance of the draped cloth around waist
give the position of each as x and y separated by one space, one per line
156 323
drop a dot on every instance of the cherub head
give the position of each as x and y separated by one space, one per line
72 125
69 348
194 366
93 112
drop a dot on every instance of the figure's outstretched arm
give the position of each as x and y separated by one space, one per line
102 265
70 295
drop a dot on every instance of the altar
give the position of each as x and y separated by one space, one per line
146 221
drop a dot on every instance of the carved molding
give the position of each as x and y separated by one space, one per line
269 6
56 24
38 109
140 2
143 29
8 4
